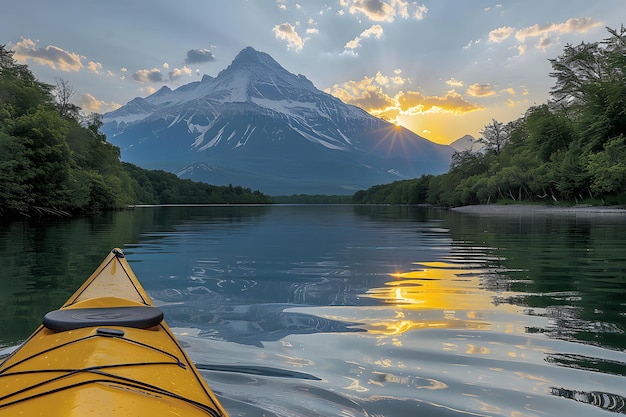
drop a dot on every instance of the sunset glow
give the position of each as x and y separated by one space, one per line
440 295
390 58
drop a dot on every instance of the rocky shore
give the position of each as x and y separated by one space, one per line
530 209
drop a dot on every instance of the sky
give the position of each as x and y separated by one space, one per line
441 68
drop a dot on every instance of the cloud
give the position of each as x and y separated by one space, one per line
385 11
177 73
452 82
500 34
480 90
375 31
420 12
414 102
375 10
509 90
149 76
545 42
52 56
576 25
288 33
471 43
398 80
95 67
365 93
91 104
199 56
369 94
548 34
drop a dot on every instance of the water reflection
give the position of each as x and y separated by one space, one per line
397 311
607 401
587 363
249 324
440 294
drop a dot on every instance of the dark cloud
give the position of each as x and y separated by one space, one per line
149 76
198 56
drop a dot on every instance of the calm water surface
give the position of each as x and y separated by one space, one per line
359 311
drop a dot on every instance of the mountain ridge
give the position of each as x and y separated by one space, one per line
270 130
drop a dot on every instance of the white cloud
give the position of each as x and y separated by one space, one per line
385 10
453 82
420 12
95 67
509 90
52 56
375 31
500 34
549 33
577 25
480 90
89 103
177 73
287 32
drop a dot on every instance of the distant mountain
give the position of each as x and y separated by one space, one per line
257 125
467 142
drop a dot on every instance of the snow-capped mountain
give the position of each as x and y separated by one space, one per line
257 125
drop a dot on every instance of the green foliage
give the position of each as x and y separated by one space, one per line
160 187
608 167
399 192
570 149
51 163
312 199
15 190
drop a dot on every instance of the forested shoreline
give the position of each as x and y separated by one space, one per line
572 149
567 151
54 160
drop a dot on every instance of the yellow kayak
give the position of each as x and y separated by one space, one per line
105 352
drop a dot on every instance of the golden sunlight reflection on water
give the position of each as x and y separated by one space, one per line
448 295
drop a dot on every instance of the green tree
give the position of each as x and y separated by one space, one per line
608 168
591 83
43 136
15 192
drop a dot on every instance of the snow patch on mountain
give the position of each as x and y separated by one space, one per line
288 107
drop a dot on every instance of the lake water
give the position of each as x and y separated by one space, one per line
359 311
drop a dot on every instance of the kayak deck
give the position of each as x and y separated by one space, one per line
106 352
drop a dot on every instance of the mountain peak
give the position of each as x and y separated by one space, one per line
261 126
251 58
258 74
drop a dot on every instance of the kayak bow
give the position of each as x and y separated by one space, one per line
106 351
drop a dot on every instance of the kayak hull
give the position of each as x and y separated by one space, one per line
98 356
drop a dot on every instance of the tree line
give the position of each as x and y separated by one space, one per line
53 159
570 149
